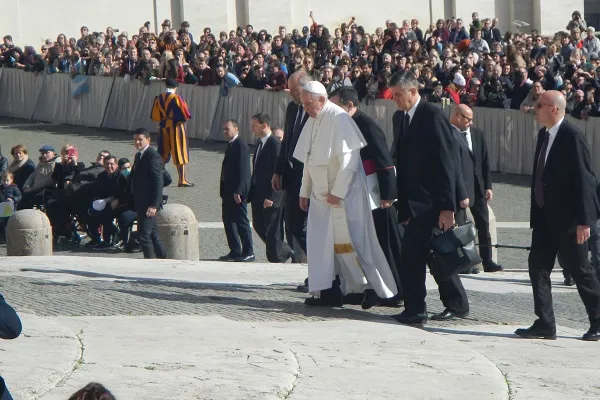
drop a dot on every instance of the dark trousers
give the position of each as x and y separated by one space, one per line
295 218
267 224
125 221
413 270
237 227
545 244
148 236
104 218
481 218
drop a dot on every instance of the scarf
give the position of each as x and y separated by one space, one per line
15 165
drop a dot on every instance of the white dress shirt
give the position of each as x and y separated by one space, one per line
552 131
411 112
264 141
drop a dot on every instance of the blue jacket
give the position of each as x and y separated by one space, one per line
10 192
10 328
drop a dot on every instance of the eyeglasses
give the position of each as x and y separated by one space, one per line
466 118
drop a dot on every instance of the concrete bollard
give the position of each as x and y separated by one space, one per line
178 230
493 233
28 233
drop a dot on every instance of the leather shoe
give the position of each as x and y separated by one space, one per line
369 300
448 315
228 257
491 266
534 332
188 184
569 281
322 302
411 319
248 258
472 270
593 335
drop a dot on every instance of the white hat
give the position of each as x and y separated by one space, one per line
99 205
315 87
459 80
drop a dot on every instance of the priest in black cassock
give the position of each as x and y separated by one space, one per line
379 168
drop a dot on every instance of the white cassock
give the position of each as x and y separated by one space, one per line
340 240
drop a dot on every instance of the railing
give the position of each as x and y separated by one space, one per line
115 104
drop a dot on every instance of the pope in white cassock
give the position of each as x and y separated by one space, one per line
341 238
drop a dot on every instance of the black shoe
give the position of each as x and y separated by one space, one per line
491 266
248 258
291 256
534 332
370 299
471 270
394 302
569 281
448 315
189 184
593 335
411 319
354 299
229 257
323 302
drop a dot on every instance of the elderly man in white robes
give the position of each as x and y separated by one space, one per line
344 255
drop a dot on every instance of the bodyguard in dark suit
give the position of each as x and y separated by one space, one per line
147 183
564 204
426 181
475 168
234 188
288 170
267 210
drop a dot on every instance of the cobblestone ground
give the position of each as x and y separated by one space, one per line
250 303
280 303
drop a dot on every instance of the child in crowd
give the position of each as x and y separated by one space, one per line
9 193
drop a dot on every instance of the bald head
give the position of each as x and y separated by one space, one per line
462 117
296 82
550 108
555 98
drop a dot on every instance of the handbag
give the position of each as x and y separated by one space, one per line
452 251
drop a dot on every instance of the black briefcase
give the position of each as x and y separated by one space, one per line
452 251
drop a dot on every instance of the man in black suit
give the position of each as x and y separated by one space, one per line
267 209
426 182
564 204
475 168
288 170
147 189
376 160
234 187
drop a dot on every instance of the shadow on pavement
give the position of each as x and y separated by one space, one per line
488 334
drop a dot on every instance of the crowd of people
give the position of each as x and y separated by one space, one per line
77 198
469 62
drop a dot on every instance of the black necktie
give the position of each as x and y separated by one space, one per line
539 171
405 125
259 148
466 139
298 121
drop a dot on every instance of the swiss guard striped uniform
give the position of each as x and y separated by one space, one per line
171 112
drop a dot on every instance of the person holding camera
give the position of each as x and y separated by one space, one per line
576 22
